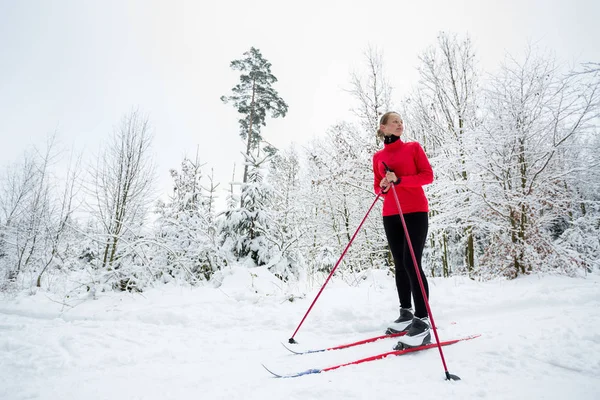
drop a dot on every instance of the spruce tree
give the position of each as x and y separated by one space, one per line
245 230
187 227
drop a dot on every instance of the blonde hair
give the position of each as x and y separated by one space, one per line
383 121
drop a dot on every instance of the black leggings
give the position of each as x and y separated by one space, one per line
407 282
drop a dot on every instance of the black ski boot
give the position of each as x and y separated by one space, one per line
418 334
402 323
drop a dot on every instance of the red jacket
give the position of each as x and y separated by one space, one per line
409 162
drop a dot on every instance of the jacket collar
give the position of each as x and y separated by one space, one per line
393 144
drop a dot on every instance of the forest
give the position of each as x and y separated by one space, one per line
516 189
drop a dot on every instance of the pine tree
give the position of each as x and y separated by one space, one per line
254 97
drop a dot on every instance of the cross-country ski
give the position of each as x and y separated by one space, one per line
370 358
345 346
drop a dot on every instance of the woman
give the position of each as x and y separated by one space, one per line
406 166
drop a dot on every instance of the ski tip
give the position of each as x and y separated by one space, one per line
307 372
290 350
271 372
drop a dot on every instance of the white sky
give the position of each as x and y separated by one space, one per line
78 66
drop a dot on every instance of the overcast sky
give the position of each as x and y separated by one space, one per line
78 66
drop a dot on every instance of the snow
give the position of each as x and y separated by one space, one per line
540 340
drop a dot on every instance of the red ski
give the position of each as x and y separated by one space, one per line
372 358
345 346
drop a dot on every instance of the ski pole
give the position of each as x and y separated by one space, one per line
291 340
449 376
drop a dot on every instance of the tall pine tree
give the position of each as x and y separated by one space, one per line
254 98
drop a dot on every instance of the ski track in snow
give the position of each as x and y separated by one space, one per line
540 340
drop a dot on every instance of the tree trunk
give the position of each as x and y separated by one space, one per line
445 264
515 241
249 138
470 250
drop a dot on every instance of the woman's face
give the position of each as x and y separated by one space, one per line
393 126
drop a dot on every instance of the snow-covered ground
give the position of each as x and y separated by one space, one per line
540 340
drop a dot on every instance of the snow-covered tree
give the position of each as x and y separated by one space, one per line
341 180
536 118
442 116
372 92
24 203
121 188
187 230
244 228
290 224
36 216
60 226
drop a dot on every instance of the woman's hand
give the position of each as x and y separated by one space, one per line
390 176
384 185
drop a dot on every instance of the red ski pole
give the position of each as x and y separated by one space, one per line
449 376
291 340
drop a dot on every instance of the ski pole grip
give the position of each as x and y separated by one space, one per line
387 169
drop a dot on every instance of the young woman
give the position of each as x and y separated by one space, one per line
406 166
